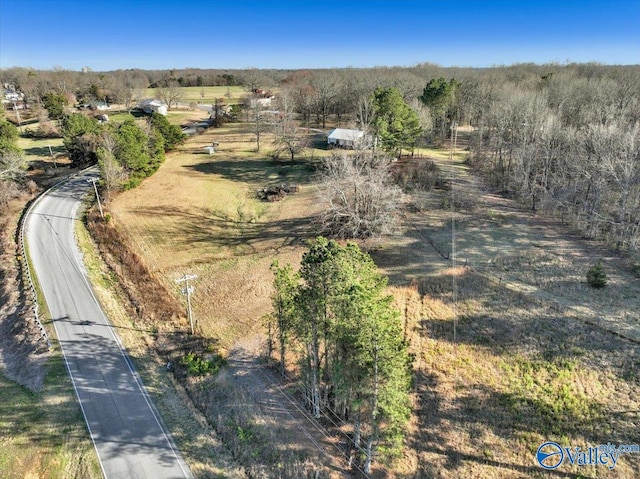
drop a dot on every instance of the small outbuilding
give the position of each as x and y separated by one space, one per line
98 106
345 138
150 106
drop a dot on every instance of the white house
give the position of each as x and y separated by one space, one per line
345 138
153 106
98 106
261 102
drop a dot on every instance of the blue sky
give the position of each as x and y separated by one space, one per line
159 34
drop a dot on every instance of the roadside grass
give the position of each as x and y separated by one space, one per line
206 456
43 435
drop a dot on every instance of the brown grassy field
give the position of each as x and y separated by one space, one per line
200 215
524 352
206 94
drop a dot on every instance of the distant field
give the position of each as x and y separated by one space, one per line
207 94
38 148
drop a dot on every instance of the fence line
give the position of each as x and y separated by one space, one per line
26 271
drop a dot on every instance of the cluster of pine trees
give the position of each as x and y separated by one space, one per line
334 319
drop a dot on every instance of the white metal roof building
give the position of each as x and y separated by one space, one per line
151 106
345 137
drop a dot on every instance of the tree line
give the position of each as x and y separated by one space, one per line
565 144
563 139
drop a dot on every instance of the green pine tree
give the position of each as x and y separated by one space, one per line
596 276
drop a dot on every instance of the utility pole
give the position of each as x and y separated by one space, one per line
15 108
52 157
188 290
95 188
454 284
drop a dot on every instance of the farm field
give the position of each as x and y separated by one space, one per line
524 353
201 216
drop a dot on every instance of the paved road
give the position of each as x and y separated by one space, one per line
129 438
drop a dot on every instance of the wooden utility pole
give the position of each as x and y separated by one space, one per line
188 290
95 188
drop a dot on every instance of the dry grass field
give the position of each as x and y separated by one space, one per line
523 353
200 215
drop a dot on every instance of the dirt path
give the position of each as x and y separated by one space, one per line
281 408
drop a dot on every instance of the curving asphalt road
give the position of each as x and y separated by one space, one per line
128 435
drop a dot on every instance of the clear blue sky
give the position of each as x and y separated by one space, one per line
159 34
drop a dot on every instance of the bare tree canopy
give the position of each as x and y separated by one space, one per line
360 196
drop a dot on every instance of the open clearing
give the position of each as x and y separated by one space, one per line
200 215
206 94
532 359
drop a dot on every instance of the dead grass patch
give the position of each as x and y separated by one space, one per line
199 214
517 374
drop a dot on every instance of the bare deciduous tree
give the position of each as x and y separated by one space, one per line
112 172
288 136
127 89
258 119
12 171
12 166
171 94
360 195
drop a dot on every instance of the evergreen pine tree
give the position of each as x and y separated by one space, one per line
596 276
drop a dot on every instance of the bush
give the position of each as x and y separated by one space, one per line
196 366
596 276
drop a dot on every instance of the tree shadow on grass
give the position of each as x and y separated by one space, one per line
476 409
258 171
186 229
44 151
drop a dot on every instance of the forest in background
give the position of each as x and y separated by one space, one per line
562 139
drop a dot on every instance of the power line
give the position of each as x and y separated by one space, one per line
454 284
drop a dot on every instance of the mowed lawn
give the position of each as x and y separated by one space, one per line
199 214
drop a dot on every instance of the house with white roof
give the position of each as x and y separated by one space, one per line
345 138
153 106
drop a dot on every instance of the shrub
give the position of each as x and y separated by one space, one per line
196 366
596 276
